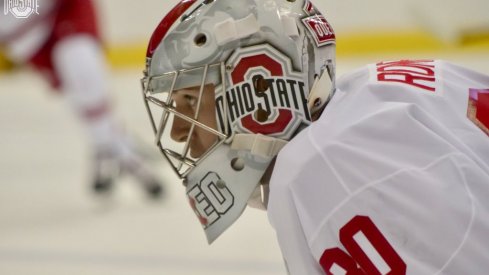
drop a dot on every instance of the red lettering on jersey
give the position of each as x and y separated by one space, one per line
417 73
358 236
478 110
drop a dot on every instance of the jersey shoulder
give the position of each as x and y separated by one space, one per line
437 86
423 75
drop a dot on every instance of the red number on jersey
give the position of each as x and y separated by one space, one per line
369 251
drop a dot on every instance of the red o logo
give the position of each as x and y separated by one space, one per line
275 68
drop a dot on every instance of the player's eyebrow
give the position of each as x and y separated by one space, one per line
193 90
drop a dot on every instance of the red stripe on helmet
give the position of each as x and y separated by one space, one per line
165 25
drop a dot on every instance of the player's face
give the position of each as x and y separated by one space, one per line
186 101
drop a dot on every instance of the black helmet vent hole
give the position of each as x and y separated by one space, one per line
200 39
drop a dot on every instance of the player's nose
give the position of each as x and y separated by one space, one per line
180 129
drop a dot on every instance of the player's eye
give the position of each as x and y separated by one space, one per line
191 100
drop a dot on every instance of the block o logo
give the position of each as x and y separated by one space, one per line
20 8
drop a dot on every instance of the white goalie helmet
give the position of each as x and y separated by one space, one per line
227 84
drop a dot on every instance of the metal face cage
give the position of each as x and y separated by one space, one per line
159 93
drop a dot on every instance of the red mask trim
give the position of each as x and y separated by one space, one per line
165 25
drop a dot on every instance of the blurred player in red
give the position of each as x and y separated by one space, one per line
61 40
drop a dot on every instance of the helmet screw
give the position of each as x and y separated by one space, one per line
229 68
260 83
317 102
261 115
221 184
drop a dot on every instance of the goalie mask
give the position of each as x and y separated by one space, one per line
227 84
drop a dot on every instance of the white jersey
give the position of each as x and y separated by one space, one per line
392 179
